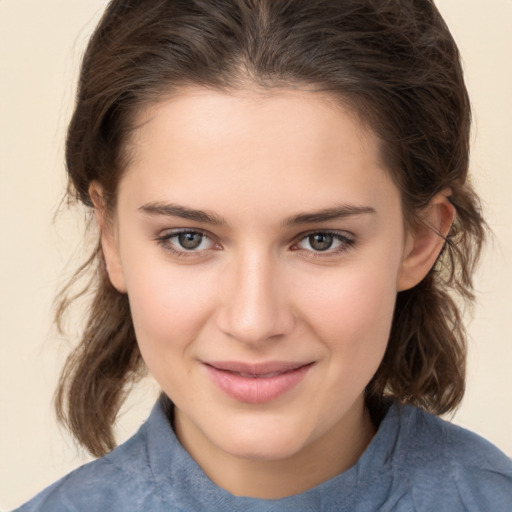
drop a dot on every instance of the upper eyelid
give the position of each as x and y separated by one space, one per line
172 232
337 233
168 234
346 241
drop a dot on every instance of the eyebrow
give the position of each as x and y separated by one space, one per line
338 212
175 210
184 212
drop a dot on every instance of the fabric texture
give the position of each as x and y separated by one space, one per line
415 462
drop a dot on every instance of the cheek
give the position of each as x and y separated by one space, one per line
353 314
169 306
169 311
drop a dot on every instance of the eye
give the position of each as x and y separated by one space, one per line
190 240
325 242
183 242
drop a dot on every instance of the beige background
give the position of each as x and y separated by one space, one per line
40 45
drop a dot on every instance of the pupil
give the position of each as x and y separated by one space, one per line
190 240
320 242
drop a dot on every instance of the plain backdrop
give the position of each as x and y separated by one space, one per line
41 42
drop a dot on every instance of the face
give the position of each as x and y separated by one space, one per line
261 244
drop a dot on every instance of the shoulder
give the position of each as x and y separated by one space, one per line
447 464
119 481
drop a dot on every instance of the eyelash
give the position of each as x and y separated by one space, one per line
165 241
345 243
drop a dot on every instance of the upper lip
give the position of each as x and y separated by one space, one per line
268 368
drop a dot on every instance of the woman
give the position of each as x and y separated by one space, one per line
280 190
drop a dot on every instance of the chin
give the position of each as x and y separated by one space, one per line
263 441
265 451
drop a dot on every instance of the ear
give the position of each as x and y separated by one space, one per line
108 236
425 240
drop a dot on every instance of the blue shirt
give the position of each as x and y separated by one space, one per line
415 462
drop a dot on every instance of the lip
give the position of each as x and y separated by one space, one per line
256 383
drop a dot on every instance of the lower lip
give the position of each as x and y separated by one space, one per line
256 390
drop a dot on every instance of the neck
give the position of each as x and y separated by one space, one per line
334 452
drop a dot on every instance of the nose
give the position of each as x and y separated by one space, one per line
255 306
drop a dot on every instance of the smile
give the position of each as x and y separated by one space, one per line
256 384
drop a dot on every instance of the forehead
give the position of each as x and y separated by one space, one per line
248 150
256 115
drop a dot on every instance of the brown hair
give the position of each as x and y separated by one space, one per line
392 61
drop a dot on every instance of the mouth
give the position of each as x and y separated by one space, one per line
256 383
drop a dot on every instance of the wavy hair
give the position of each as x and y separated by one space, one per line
394 62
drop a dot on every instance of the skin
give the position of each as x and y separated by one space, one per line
256 289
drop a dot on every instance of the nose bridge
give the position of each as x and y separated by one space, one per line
255 307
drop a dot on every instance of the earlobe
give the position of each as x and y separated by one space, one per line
108 238
425 241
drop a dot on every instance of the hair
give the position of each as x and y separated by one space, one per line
394 62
